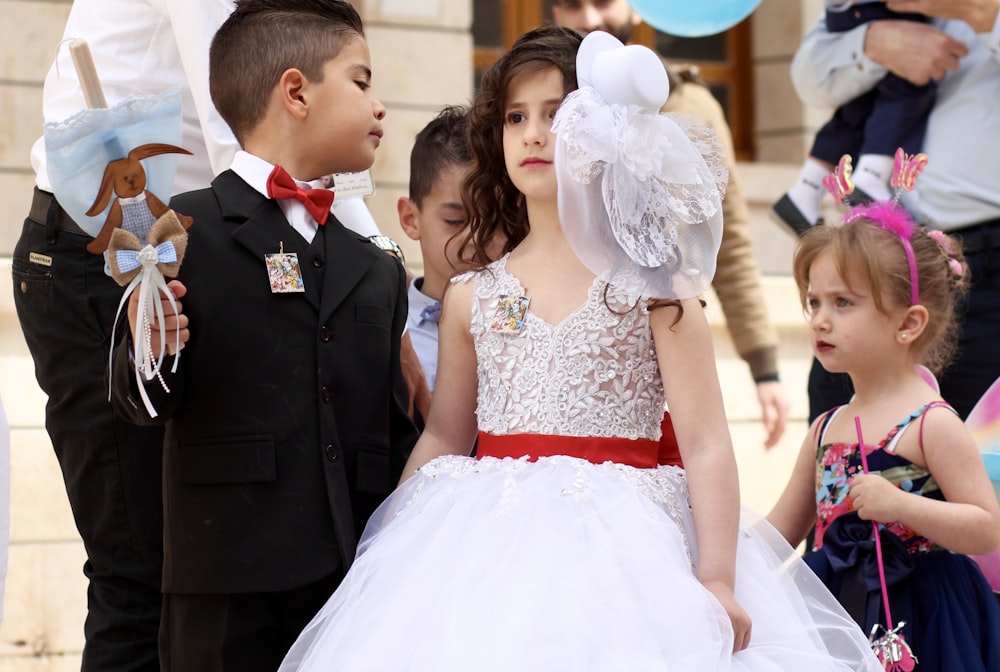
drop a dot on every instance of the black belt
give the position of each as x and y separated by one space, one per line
46 210
980 237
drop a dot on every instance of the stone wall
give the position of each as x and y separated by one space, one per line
29 35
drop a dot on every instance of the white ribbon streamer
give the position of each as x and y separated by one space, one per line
151 283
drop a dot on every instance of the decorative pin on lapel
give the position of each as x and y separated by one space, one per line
283 271
510 313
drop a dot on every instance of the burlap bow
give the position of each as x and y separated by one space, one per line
127 256
146 267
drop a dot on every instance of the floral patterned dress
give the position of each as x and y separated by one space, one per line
952 617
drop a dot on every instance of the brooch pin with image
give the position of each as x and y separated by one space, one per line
283 272
510 314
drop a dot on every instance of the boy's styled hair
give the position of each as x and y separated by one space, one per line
261 39
868 253
494 205
441 144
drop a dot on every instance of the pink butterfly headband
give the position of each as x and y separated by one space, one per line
888 215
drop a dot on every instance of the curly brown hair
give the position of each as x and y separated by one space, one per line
494 205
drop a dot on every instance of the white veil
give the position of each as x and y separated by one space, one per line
640 193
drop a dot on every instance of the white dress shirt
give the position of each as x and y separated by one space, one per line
351 212
255 171
959 186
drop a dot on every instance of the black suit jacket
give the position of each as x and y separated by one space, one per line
286 422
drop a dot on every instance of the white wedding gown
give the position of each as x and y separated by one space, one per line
504 565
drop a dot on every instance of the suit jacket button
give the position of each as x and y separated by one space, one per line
317 262
325 394
325 334
331 453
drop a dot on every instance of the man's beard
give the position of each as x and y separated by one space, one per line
623 33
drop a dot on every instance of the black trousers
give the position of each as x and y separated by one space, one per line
111 469
248 632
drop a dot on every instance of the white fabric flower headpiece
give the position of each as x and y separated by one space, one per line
640 193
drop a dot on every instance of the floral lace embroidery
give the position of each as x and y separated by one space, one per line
593 374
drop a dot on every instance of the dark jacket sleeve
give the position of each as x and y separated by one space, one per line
163 391
402 432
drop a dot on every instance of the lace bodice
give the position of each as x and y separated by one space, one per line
593 374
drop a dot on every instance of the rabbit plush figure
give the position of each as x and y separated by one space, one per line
135 209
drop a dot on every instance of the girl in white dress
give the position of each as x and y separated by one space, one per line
562 545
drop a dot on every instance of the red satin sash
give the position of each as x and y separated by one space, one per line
641 453
670 453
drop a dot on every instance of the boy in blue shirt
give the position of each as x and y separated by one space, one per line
434 216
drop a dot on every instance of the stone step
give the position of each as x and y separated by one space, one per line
39 508
46 602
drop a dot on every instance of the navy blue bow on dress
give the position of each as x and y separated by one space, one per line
431 313
848 563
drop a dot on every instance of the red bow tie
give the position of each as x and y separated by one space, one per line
317 201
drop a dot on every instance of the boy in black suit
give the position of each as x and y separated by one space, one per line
286 421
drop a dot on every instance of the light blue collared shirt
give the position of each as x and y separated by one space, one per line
423 336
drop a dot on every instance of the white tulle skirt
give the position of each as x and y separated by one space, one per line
560 564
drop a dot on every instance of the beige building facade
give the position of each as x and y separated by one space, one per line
422 53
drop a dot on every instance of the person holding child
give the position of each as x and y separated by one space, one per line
563 545
870 127
286 418
882 295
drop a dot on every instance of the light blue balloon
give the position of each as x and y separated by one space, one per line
693 18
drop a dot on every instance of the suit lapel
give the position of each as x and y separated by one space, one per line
347 261
259 225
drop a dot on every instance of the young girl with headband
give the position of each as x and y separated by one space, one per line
881 296
563 546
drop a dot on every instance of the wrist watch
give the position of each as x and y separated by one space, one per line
389 245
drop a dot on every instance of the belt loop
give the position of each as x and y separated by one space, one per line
50 221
